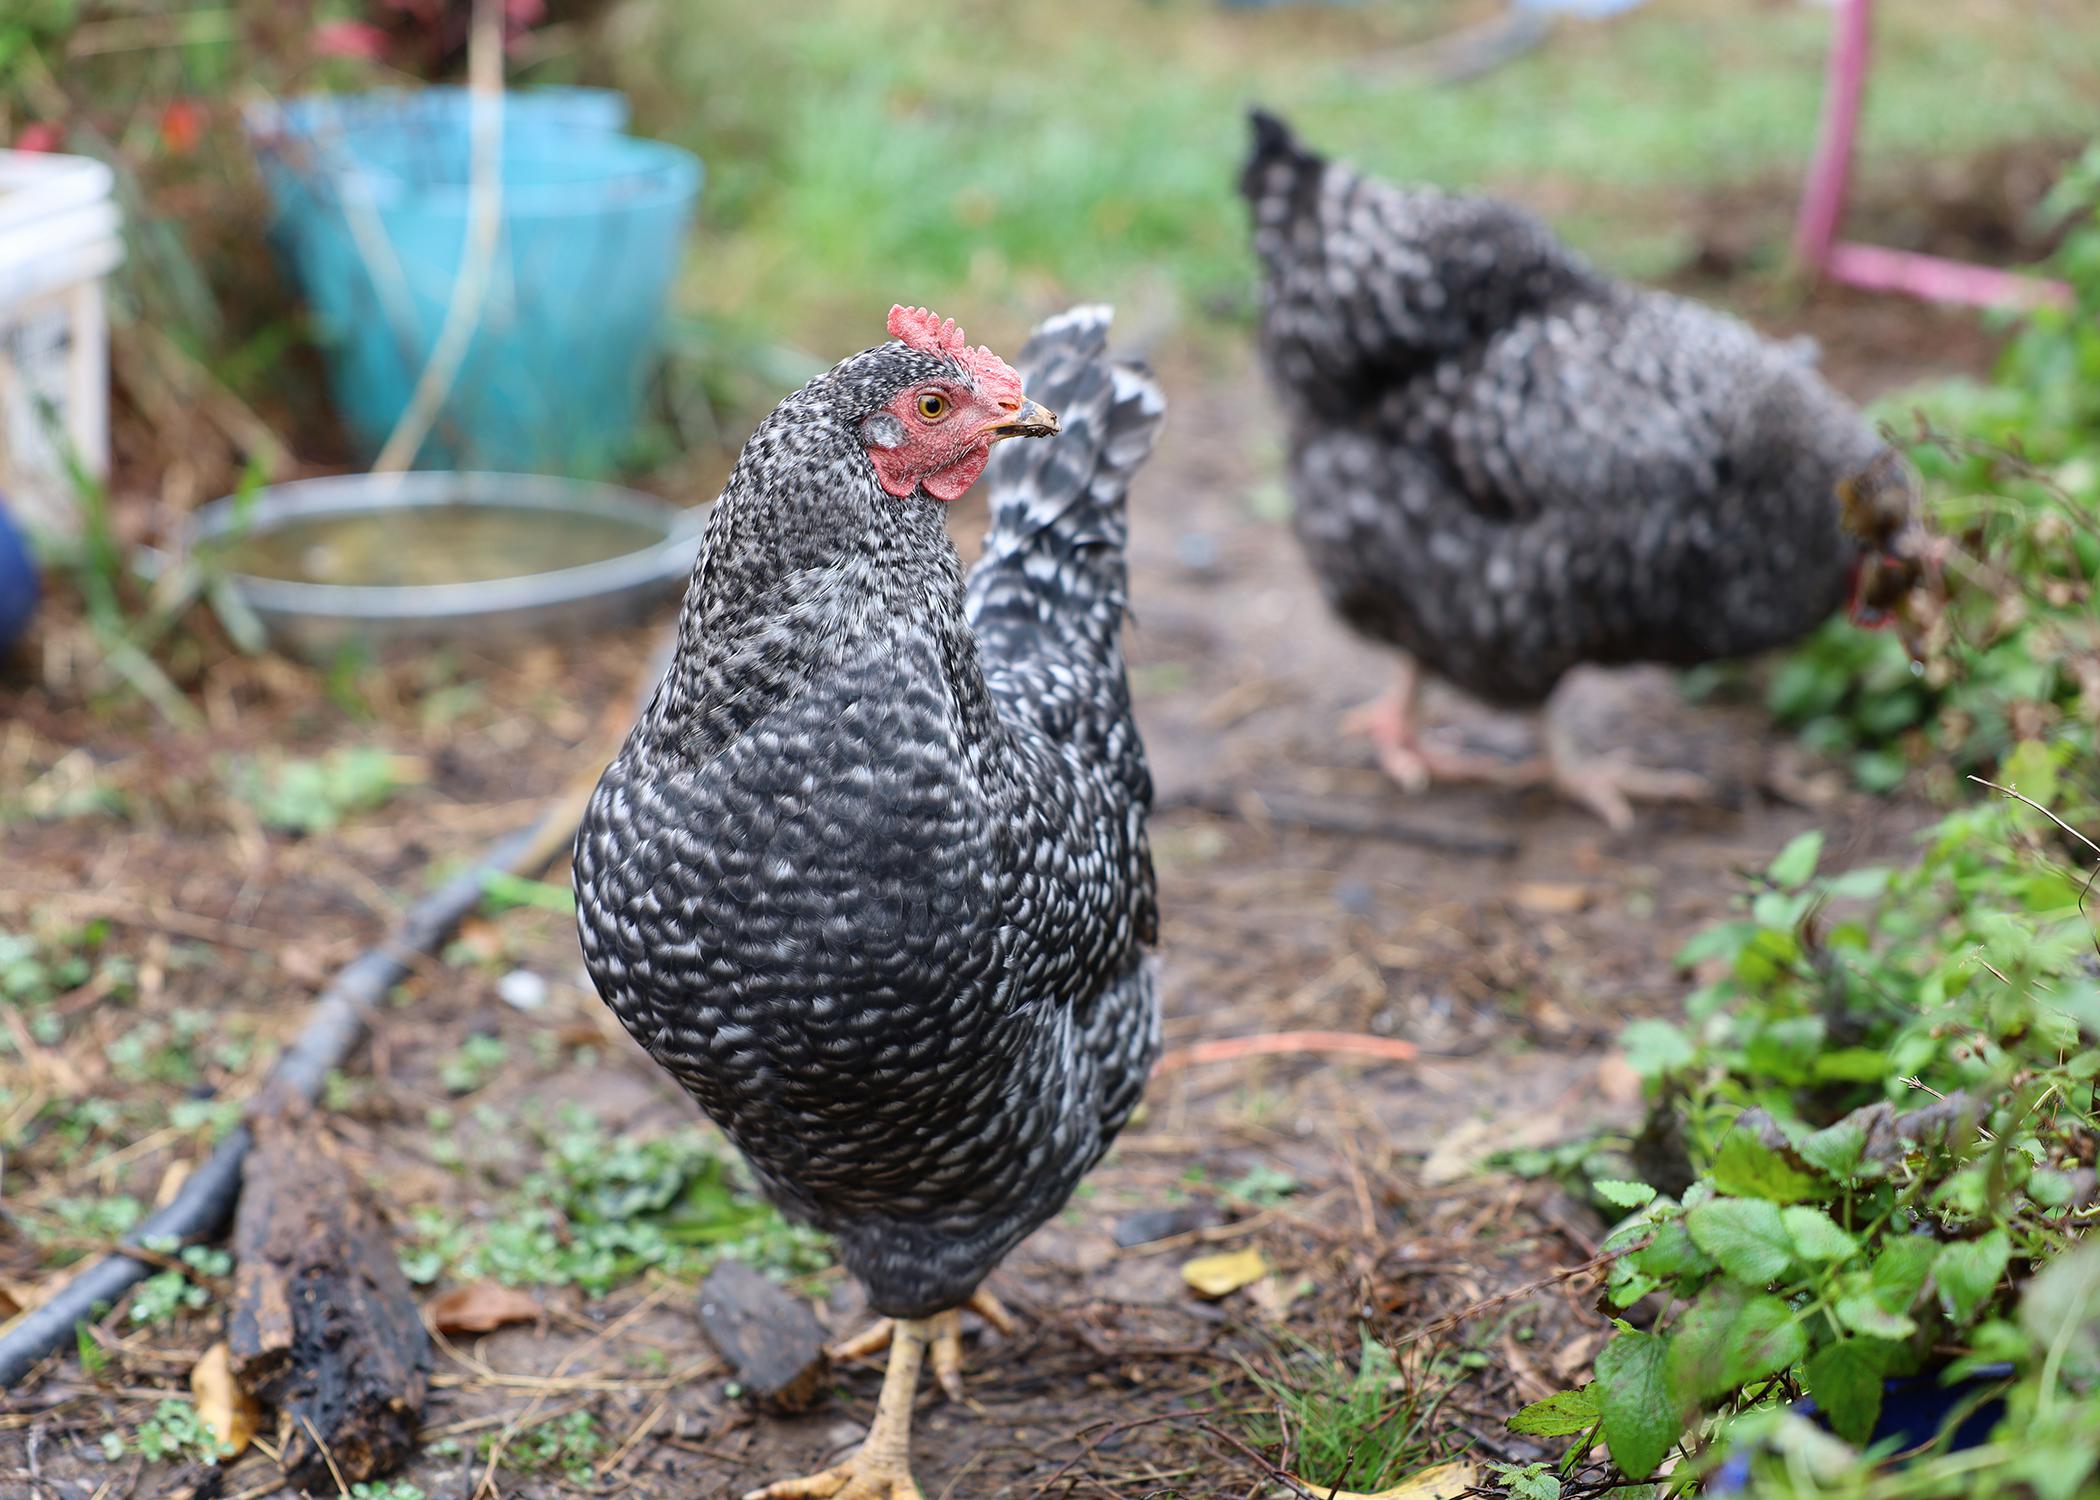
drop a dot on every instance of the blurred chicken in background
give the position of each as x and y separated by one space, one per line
1506 464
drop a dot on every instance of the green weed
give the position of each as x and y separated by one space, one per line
2013 653
174 1433
313 796
166 1294
477 1062
1355 1429
570 1446
600 1210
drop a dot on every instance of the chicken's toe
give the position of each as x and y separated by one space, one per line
870 1341
1609 787
948 1354
859 1478
993 1311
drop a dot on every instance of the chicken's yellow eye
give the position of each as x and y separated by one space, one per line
933 406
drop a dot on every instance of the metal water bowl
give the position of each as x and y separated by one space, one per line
319 618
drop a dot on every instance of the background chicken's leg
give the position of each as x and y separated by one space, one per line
1392 721
1608 785
1389 720
881 1469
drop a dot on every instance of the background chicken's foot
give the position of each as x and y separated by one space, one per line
1608 785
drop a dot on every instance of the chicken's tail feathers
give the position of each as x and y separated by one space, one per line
1273 139
1279 169
1054 552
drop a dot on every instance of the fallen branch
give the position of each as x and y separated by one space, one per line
323 1327
1286 1044
1323 815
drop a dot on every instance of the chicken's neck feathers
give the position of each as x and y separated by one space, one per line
809 572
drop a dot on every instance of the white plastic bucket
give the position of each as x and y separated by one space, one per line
59 237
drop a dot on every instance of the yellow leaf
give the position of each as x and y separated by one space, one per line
227 1411
1551 898
1444 1482
1215 1276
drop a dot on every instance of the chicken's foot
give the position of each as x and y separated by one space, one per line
881 1468
1609 785
1392 724
1389 720
945 1337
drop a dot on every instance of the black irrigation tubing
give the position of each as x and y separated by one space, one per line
338 1023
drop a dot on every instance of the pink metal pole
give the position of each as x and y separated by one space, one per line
1817 249
1823 196
1936 279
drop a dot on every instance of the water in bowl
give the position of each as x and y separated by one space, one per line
423 546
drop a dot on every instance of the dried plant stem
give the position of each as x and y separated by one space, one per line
484 227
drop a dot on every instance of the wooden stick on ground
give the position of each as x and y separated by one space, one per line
1286 1044
323 1326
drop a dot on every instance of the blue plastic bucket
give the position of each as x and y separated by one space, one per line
316 116
373 217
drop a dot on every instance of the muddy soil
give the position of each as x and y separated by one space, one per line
1507 936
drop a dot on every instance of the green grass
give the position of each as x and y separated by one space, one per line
1360 1427
993 164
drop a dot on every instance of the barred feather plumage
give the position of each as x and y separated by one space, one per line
1506 463
870 877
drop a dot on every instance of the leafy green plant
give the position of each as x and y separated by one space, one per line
174 1432
503 891
386 1489
479 1059
2011 652
568 1445
313 796
35 971
165 1294
1527 1481
1875 1136
602 1209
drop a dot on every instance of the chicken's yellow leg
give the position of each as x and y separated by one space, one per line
945 1336
881 1470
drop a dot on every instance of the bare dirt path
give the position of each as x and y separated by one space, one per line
1507 936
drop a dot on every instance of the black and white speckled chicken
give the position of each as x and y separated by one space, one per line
870 877
1505 463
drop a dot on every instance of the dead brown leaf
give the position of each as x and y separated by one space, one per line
479 1307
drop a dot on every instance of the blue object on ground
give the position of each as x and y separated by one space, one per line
1913 1409
372 200
18 581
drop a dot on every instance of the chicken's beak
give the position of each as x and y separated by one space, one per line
1030 421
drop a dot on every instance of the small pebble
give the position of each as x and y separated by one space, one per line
1354 897
521 989
1197 551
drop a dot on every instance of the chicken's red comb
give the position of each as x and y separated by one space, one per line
931 334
